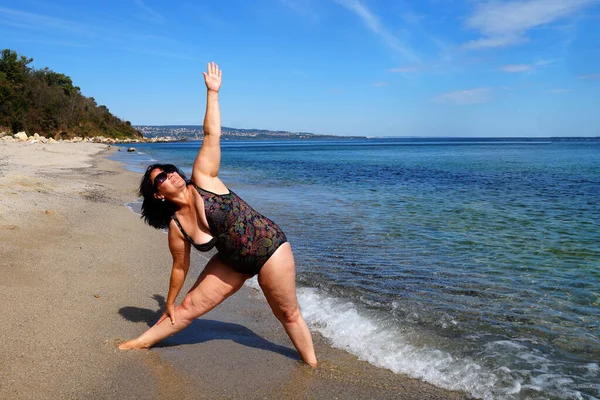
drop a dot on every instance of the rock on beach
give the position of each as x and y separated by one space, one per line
21 136
37 138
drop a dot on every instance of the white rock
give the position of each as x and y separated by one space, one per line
9 139
51 140
21 136
36 136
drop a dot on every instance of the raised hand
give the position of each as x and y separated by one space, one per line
212 78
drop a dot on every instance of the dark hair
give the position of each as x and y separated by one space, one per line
155 212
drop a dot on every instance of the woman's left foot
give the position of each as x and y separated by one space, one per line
131 345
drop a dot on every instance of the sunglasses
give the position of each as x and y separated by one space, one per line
161 177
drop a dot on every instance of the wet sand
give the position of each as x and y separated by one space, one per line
81 272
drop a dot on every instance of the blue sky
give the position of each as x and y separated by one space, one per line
347 67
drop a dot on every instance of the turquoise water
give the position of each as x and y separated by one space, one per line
473 264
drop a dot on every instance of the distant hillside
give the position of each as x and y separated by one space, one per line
192 132
46 102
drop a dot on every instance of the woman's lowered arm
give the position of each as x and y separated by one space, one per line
180 250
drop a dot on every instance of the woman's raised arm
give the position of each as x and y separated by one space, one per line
208 160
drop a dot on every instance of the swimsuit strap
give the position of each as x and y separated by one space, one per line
198 188
202 246
189 239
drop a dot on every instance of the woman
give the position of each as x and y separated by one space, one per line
204 213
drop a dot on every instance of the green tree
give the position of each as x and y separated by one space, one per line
48 102
14 67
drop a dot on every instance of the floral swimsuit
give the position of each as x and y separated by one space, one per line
244 238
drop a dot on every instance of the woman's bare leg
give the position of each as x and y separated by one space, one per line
215 284
277 278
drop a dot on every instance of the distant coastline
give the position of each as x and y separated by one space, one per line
196 132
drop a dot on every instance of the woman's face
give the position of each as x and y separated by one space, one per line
167 188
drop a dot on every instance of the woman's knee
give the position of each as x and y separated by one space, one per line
289 315
188 310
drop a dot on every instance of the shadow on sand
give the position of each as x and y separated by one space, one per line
204 330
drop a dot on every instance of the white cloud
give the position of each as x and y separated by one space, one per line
302 7
589 77
557 91
37 22
374 24
543 63
516 68
49 29
513 68
506 23
149 14
462 97
491 42
405 69
49 42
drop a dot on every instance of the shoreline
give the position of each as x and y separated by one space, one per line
79 267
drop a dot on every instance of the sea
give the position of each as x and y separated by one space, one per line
472 264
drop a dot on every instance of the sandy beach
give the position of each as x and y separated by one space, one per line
81 272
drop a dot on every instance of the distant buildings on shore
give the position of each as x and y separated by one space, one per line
196 132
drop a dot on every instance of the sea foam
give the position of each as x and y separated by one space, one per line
382 343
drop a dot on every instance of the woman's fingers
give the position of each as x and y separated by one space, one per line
162 318
170 311
212 76
213 69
